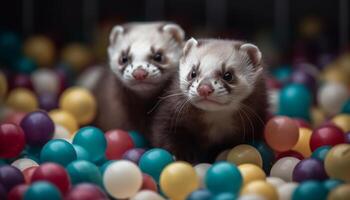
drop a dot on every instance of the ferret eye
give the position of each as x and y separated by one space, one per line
193 74
158 57
124 59
227 76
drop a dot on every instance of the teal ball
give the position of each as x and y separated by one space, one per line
346 107
310 190
24 65
81 171
139 140
321 152
42 190
58 151
82 153
282 73
330 184
10 47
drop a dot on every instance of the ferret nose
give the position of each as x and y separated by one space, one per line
205 90
139 74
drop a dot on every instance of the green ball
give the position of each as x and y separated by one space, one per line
223 177
295 100
330 184
346 107
321 152
310 190
81 171
42 190
93 141
58 151
139 140
82 154
153 161
24 65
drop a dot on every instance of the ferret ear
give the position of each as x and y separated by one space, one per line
175 31
253 53
189 44
116 31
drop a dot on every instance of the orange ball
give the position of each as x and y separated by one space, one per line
281 133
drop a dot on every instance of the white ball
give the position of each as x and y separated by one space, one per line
24 163
275 181
251 197
147 195
62 133
284 167
201 169
45 81
285 192
332 96
122 179
273 97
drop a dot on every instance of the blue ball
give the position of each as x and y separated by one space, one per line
223 177
330 184
82 154
58 151
310 190
224 196
139 140
42 190
321 152
81 171
93 141
201 194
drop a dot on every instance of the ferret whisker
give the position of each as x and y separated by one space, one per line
254 113
242 121
250 122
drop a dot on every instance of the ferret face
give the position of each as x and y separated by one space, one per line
218 74
144 55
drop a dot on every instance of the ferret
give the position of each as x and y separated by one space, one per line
143 57
217 100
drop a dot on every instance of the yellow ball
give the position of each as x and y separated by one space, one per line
178 180
77 55
303 144
317 116
337 162
244 153
80 103
41 49
65 119
21 99
3 86
343 121
334 73
341 192
251 173
261 188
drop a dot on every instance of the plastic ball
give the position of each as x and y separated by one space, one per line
3 86
42 190
340 193
48 101
54 174
28 173
93 140
250 197
21 80
23 100
24 65
65 119
301 123
134 155
61 133
309 169
58 151
79 102
321 152
41 49
317 116
24 163
303 144
281 133
86 191
282 73
10 47
147 195
261 188
17 193
334 74
76 55
148 183
81 171
178 180
347 137
222 156
330 184
342 121
326 135
275 181
118 142
290 153
15 118
311 190
104 166
122 179
295 101
201 194
10 177
332 96
138 139
224 196
266 153
345 107
223 177
201 170
82 153
153 161
337 162
46 81
243 153
286 190
305 78
251 172
284 168
12 140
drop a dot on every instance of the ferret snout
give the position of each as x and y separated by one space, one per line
139 74
205 89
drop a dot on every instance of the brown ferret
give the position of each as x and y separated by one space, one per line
217 100
142 59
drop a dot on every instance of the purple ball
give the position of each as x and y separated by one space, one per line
134 155
309 169
38 128
10 177
305 78
347 137
2 192
48 101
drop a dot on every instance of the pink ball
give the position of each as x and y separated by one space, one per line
326 135
86 191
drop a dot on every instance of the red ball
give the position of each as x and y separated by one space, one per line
290 153
53 173
302 123
17 193
326 135
12 140
28 173
118 142
148 183
15 118
86 191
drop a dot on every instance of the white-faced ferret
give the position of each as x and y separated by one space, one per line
218 100
143 57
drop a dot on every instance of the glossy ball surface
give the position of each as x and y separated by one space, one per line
12 140
42 190
118 142
326 135
244 153
58 151
309 169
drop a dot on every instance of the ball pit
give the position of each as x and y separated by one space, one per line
243 153
337 162
251 172
42 190
118 142
82 171
326 135
58 151
311 190
64 119
262 188
22 99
